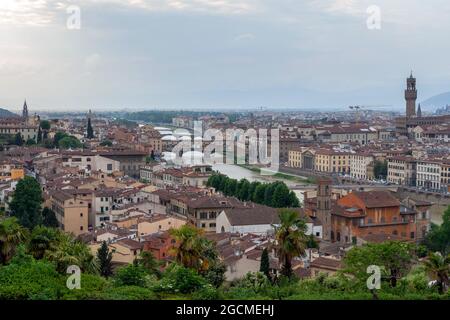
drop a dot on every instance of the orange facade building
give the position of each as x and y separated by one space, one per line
360 215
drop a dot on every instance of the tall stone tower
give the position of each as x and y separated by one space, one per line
410 96
324 206
25 112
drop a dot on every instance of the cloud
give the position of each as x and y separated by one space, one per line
26 12
245 37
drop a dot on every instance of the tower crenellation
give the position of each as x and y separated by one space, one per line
411 96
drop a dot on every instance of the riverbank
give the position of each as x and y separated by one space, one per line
280 175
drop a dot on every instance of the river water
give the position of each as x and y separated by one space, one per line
237 172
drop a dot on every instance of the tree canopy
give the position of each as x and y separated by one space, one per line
275 194
26 204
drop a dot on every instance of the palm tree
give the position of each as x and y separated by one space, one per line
41 240
438 267
191 248
69 251
291 239
11 235
148 261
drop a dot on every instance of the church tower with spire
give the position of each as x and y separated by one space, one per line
25 112
419 111
411 96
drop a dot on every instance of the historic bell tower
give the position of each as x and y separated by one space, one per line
25 112
323 209
410 96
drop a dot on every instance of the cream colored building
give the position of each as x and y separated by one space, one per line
124 251
361 166
71 212
295 158
402 170
429 174
332 161
158 223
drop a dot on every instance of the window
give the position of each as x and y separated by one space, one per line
412 235
81 214
81 228
109 167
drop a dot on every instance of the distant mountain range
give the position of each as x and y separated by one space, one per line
7 114
437 101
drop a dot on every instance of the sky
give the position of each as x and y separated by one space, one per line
211 54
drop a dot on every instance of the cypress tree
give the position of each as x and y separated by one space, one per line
265 264
90 131
104 257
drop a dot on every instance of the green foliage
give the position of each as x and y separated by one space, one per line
106 143
58 136
68 251
70 142
215 274
89 130
438 267
265 263
41 240
275 194
39 135
30 280
49 218
291 238
208 292
30 142
192 246
92 287
18 140
178 279
438 238
11 235
395 257
148 261
256 282
380 169
26 202
45 125
131 275
104 258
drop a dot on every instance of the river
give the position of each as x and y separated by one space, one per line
237 172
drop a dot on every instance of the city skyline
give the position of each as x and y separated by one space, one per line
219 54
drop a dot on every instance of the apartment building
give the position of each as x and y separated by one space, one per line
429 174
332 161
71 211
402 170
361 166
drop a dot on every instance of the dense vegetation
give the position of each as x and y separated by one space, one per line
34 259
33 266
275 194
380 169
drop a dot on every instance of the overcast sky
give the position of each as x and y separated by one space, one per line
143 54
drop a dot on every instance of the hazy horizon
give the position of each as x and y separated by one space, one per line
224 54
